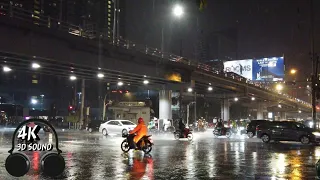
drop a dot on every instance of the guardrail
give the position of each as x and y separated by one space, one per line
13 11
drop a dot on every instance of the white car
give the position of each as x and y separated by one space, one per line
116 127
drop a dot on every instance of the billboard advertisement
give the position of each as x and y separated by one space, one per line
264 69
241 67
268 69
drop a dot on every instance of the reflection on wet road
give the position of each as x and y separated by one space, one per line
92 156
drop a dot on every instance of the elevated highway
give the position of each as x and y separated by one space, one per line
70 49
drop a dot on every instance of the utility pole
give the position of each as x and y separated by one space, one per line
82 104
314 74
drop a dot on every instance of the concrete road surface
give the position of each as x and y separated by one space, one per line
93 156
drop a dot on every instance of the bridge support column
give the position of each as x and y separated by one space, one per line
225 110
260 111
165 101
283 115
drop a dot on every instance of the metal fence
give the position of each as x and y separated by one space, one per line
13 11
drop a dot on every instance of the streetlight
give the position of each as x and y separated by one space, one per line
177 10
35 66
72 78
210 88
6 69
293 71
34 101
145 82
120 83
253 98
279 87
189 89
236 99
100 75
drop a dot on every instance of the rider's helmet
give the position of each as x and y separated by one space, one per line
140 120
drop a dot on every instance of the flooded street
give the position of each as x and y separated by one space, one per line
93 156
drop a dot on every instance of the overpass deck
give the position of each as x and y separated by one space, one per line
200 70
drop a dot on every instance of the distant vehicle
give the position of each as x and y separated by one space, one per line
94 126
251 127
287 131
222 132
186 134
116 127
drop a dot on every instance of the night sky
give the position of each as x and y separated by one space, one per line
265 28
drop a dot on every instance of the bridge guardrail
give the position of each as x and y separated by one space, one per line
13 11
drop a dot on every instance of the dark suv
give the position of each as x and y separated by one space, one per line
251 127
94 126
287 131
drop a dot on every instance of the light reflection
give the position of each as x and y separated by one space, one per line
225 151
211 158
150 169
70 164
295 161
35 160
278 164
254 159
35 164
190 161
242 147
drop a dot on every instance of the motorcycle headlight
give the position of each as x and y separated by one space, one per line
316 133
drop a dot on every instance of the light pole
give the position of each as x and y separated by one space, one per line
42 96
188 111
178 12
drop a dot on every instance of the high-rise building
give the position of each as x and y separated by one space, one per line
202 47
94 16
51 8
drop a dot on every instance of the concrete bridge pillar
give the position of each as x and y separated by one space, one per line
283 115
260 111
225 109
165 101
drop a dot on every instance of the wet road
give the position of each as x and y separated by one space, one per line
92 156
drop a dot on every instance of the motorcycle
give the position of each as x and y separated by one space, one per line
46 129
144 144
222 132
187 134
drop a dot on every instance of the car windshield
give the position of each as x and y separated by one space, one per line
299 125
127 123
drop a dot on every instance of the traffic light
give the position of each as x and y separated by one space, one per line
71 110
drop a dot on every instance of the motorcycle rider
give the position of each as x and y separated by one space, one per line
182 127
219 125
140 130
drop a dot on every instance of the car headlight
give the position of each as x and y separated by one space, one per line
316 133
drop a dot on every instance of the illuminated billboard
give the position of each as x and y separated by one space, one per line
264 69
241 67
